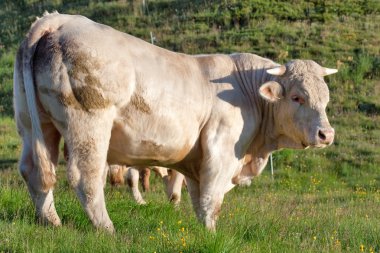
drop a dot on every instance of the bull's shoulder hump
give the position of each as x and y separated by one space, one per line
215 63
213 58
248 60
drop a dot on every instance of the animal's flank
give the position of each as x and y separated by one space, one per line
90 98
138 102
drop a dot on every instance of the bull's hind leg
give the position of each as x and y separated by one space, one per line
144 178
43 200
87 141
133 182
175 186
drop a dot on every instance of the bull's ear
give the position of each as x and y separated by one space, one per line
327 71
271 91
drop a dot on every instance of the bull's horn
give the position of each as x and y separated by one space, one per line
277 71
327 71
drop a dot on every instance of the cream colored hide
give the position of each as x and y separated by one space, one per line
172 180
119 100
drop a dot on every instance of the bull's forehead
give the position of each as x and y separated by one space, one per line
298 67
306 77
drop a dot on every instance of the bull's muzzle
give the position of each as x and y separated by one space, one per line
326 135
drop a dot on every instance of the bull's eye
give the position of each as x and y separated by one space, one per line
298 99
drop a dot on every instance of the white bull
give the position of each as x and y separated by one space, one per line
117 99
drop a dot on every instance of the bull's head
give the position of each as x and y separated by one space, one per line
300 95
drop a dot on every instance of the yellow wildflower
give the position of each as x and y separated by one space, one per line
183 241
362 248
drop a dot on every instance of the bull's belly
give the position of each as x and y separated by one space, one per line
150 143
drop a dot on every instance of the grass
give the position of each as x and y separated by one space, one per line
290 214
319 201
302 209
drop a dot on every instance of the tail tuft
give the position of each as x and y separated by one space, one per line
45 166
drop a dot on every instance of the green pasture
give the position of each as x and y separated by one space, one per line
318 201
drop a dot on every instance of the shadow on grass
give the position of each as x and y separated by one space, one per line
370 109
8 163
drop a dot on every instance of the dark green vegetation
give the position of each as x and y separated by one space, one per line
320 201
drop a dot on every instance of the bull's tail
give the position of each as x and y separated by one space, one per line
41 155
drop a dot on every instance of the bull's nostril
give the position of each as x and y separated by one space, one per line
321 135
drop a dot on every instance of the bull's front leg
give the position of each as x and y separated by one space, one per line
221 160
193 189
214 183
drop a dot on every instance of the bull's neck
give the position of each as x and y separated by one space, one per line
265 140
265 135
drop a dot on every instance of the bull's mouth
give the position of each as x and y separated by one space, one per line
304 146
314 145
320 146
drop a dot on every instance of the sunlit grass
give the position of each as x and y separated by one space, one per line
288 214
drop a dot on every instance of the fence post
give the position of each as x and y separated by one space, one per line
152 38
271 166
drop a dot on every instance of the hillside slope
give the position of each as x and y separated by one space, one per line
319 201
337 34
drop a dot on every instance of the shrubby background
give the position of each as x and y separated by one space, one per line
319 201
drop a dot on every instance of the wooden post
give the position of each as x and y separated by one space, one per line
152 38
271 166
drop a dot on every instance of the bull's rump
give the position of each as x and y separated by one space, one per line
160 99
